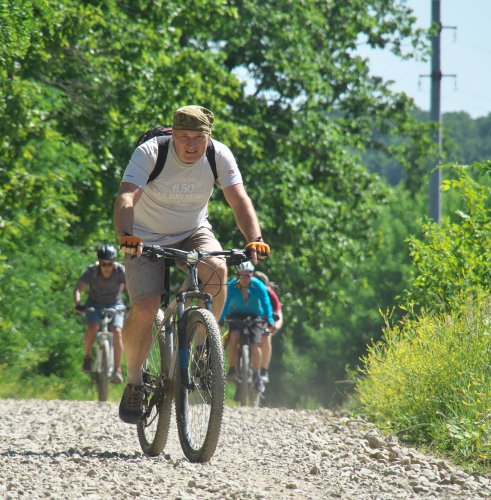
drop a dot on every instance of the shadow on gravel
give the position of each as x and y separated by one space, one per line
72 452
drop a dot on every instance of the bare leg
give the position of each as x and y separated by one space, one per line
233 357
256 357
266 350
214 280
137 336
90 338
118 348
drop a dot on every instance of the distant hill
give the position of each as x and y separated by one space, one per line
465 140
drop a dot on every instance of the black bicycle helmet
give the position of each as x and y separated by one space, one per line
106 252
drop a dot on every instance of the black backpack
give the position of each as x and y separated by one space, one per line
163 135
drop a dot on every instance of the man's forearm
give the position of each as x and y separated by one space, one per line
128 197
246 219
244 213
123 217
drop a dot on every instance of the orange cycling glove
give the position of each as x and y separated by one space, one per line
260 247
130 241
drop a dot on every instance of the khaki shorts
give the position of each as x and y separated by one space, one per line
145 278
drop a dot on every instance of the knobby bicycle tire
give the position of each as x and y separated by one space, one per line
199 406
102 375
153 429
243 383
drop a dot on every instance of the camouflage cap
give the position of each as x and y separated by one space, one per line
193 118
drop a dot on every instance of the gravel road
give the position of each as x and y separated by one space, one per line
71 449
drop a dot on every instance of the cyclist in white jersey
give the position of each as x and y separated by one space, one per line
172 210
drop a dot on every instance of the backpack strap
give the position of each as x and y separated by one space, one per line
163 143
210 154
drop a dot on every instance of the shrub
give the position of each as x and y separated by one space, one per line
429 380
454 258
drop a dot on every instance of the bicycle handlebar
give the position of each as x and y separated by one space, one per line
119 309
234 256
248 320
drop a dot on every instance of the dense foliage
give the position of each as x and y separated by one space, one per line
454 259
429 378
80 80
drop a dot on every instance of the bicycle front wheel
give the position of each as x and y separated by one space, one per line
102 375
153 429
200 398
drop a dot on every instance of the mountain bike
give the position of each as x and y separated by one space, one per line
103 367
246 393
185 362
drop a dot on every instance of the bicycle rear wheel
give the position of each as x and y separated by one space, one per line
153 429
200 398
254 396
102 374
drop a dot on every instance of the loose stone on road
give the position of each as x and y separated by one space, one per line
73 449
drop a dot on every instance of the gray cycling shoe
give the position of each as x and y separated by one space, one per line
258 383
131 405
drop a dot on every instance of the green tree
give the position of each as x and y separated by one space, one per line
90 76
466 140
428 378
453 260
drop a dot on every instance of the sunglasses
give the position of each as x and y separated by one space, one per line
107 264
245 275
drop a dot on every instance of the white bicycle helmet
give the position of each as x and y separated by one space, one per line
246 266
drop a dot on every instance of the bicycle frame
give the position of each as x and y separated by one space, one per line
188 368
103 368
103 335
246 392
188 290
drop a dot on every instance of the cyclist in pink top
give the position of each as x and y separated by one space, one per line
266 344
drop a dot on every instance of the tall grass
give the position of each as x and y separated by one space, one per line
18 384
429 380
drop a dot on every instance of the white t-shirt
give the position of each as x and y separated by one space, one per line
175 204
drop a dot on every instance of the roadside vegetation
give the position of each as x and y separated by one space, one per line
429 378
335 161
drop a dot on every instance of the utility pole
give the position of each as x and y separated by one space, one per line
434 201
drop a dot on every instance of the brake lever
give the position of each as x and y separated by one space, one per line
152 256
238 256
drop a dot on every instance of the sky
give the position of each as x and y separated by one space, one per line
465 52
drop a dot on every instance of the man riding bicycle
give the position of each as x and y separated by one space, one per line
247 296
105 280
172 210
